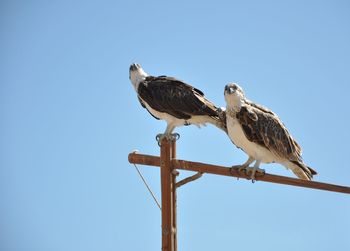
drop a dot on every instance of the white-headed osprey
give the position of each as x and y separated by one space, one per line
261 134
172 100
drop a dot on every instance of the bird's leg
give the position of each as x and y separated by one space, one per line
246 164
167 134
255 169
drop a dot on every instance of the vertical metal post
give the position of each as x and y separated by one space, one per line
168 186
174 173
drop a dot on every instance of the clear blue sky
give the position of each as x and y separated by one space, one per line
69 118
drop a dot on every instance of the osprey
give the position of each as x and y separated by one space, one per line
261 134
172 100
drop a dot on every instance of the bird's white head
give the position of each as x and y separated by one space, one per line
234 96
136 75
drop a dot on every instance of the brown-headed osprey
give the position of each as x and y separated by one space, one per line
261 134
174 101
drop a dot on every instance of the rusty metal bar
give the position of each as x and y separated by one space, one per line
189 179
174 173
167 195
221 170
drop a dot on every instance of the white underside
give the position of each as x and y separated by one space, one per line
199 120
254 150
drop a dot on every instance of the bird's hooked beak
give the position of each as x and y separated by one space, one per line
229 89
136 74
134 67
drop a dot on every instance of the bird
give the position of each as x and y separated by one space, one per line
176 102
260 133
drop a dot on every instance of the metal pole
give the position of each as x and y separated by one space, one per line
174 173
167 196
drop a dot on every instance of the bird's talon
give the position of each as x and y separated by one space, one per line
243 168
168 137
159 138
176 136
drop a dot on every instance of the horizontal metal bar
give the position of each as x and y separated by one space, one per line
226 171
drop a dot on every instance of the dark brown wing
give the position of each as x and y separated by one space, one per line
172 96
260 107
267 130
143 105
266 110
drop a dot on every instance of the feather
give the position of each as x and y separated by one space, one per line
261 134
266 129
172 96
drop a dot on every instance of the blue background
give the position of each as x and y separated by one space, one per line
70 117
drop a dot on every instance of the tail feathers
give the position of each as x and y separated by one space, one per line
301 170
221 119
202 120
216 121
221 124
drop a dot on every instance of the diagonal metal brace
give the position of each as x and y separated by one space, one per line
188 179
